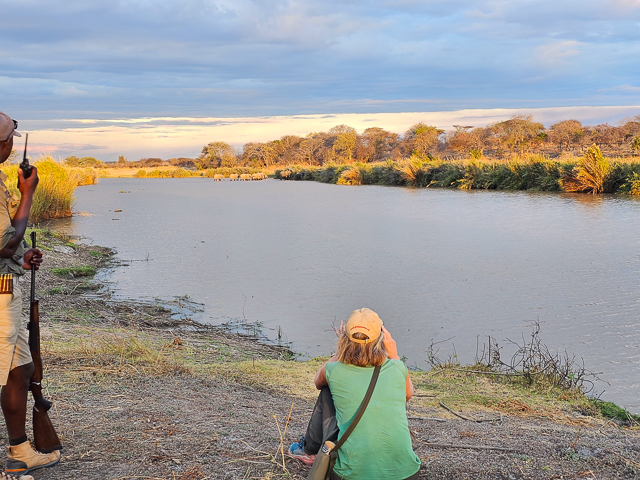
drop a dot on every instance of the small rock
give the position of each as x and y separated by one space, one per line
62 249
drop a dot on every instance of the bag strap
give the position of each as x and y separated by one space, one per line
361 409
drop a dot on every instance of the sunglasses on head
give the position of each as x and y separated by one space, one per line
15 127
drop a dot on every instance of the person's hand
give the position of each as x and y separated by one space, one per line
32 258
28 185
390 345
339 331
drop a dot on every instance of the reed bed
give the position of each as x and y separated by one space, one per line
591 173
54 196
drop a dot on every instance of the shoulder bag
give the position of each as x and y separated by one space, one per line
326 458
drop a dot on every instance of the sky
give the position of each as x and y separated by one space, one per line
161 78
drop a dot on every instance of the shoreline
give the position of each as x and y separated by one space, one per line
138 393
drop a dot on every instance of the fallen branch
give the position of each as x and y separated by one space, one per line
470 447
442 404
627 461
428 418
506 374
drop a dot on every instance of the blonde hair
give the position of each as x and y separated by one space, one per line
361 354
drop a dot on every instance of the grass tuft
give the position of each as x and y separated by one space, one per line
54 196
79 271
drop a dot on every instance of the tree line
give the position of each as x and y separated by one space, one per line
342 144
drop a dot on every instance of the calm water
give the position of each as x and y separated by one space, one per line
435 264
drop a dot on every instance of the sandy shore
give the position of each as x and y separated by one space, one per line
139 394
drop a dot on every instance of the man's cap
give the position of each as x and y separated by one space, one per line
7 127
364 320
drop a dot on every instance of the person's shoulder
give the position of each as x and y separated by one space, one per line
395 364
330 367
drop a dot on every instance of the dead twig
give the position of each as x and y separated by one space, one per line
469 447
506 374
629 462
435 419
573 445
480 420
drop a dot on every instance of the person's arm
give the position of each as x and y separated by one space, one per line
321 377
392 352
19 222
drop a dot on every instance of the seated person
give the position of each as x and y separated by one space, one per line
380 445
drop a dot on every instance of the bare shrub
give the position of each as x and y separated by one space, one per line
534 362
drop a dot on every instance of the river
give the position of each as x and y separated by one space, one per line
444 266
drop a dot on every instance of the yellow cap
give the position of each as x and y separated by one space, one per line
364 321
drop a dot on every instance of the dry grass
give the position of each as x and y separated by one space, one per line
54 196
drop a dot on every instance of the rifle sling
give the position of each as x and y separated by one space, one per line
361 409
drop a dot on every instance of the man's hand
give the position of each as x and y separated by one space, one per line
340 331
390 345
28 185
32 258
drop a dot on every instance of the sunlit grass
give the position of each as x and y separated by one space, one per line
54 196
590 173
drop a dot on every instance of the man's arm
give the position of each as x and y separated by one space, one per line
20 219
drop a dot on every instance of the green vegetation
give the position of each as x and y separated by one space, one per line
54 196
611 410
592 173
76 271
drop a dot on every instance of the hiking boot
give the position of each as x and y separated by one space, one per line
23 459
8 476
296 450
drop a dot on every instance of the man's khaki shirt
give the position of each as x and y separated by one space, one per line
8 207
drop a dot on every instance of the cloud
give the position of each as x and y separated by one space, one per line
239 58
168 137
625 88
557 53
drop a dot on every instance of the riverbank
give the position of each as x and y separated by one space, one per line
591 173
140 394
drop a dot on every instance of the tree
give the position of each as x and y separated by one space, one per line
74 161
214 154
566 133
183 162
606 134
377 144
122 160
344 144
308 148
420 137
263 153
519 133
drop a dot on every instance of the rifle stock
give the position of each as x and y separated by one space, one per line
44 434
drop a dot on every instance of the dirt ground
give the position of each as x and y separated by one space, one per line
126 407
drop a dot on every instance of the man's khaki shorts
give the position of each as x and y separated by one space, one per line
14 340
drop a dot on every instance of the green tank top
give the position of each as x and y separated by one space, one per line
379 448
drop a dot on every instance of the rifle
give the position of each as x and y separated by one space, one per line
24 165
44 435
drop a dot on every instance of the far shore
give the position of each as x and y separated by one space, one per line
139 394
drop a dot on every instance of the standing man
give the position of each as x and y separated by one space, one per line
16 365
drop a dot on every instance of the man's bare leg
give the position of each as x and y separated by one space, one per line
13 400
